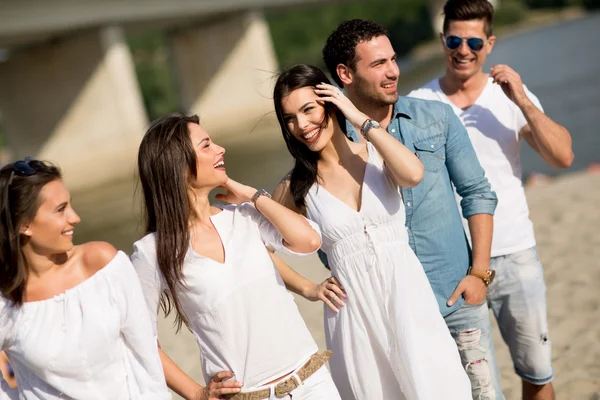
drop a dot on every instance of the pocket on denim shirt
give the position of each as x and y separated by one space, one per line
432 152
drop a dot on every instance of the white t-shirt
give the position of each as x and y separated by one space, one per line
93 341
240 312
493 123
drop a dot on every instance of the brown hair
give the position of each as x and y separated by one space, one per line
304 174
468 10
20 202
166 160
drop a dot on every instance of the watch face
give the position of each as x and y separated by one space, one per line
375 124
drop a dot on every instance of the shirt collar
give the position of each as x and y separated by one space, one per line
400 109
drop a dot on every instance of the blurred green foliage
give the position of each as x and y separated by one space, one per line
510 12
300 33
591 4
546 3
152 64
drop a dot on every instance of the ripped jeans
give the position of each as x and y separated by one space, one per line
471 328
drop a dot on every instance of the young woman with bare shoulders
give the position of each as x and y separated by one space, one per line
72 318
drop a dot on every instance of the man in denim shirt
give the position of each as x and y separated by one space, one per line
360 58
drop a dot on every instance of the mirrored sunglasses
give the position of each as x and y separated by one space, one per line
474 43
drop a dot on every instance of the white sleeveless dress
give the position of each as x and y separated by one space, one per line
389 341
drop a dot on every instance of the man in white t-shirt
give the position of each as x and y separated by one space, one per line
498 111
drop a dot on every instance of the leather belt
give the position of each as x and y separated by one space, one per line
285 386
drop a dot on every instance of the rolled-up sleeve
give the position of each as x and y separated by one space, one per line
465 171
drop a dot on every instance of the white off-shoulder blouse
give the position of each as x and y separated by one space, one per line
242 316
94 341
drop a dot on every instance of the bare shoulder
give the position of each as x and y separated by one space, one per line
97 255
282 189
283 195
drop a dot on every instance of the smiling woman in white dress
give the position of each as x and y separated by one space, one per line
389 340
211 265
72 318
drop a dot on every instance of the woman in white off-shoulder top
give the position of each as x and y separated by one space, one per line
72 318
211 264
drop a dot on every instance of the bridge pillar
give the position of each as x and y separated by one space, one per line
225 70
76 102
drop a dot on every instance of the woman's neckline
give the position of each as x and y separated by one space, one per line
77 287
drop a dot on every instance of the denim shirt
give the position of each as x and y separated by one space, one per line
435 134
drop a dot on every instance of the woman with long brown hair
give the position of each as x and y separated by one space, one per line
389 341
211 265
72 318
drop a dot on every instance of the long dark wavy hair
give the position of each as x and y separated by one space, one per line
166 162
305 173
21 200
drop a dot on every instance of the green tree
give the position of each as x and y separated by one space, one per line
155 75
510 12
299 34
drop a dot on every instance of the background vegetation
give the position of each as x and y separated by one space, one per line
299 35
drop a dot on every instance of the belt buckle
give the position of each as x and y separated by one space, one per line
283 388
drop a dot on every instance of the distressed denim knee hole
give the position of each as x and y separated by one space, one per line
481 380
474 358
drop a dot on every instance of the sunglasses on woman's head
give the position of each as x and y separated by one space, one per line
454 42
21 168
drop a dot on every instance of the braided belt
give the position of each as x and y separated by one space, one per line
287 385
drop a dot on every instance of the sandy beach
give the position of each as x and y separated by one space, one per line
566 215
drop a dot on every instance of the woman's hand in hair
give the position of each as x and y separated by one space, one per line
236 193
334 95
217 387
330 291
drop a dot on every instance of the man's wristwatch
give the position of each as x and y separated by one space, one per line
259 192
367 126
486 276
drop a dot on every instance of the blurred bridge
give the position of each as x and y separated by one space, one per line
68 88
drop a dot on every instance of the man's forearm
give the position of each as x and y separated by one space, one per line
550 139
481 227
